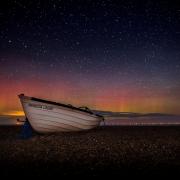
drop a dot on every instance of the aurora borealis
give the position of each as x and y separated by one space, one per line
107 55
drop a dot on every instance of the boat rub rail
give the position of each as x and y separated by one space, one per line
57 104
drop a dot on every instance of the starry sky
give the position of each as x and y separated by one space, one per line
108 55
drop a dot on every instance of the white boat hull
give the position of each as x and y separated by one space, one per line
47 118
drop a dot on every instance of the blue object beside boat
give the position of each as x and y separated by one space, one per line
26 131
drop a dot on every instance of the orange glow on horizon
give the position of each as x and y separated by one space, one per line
13 113
124 99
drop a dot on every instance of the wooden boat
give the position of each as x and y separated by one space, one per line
47 116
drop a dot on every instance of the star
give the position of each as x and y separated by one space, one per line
101 48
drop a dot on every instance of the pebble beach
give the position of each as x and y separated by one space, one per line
107 150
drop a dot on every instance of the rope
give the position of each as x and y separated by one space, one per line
86 108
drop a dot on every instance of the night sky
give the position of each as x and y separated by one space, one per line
107 55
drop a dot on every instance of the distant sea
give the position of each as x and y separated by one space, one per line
142 121
10 120
115 120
